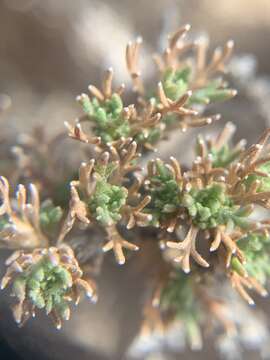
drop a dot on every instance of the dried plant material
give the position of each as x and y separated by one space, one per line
117 243
46 279
20 227
132 58
136 215
75 132
186 249
45 160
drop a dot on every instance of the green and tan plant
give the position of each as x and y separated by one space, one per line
204 216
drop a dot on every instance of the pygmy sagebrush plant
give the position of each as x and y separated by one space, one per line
202 217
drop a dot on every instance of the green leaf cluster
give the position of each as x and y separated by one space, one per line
106 202
50 215
211 206
45 285
177 82
165 194
212 92
109 123
256 249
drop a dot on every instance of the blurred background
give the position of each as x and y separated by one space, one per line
49 52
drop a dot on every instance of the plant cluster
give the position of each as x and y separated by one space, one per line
204 216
